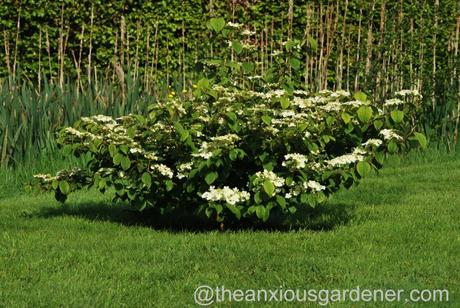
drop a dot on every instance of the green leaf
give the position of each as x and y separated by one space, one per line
237 46
363 168
290 44
248 67
313 44
233 154
421 139
211 177
203 83
125 163
169 185
360 96
269 188
64 187
112 149
235 210
267 119
295 63
217 24
346 117
262 212
208 211
257 198
378 124
364 113
281 201
392 147
397 116
231 116
284 101
146 179
131 132
117 159
55 184
380 157
268 166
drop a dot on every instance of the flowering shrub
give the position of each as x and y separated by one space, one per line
238 154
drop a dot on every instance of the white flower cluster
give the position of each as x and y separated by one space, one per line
45 178
234 25
315 186
229 195
247 32
301 92
359 151
372 142
268 95
276 180
219 142
340 93
104 118
147 155
389 134
75 132
136 150
393 102
405 93
344 160
332 106
163 170
354 103
150 156
182 168
295 161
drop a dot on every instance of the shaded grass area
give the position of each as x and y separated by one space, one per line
399 229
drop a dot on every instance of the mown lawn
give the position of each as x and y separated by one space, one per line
399 229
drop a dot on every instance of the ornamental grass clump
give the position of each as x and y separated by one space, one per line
233 154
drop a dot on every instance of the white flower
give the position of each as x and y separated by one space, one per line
150 156
73 131
341 93
393 102
229 195
234 25
248 32
205 155
287 113
136 150
332 106
295 160
185 166
358 151
103 118
301 92
313 185
163 170
389 134
270 176
405 93
354 103
345 160
372 142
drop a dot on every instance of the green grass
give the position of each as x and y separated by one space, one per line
399 229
